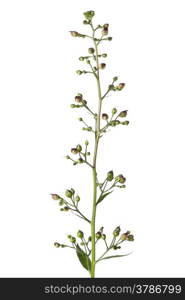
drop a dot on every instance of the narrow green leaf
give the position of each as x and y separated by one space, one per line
113 256
103 196
83 258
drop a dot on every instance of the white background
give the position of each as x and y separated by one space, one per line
38 59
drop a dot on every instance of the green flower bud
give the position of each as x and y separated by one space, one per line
63 246
73 240
66 208
103 236
125 123
85 22
110 175
68 194
80 160
91 50
69 236
109 38
72 191
67 157
74 33
130 238
89 239
57 245
79 148
105 116
80 234
120 178
115 78
88 153
79 72
89 15
98 235
120 86
104 55
111 87
116 231
86 143
74 151
88 61
116 247
77 198
102 66
114 111
61 202
55 196
123 114
73 105
80 119
81 58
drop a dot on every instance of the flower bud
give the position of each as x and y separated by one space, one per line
109 38
105 116
77 198
115 78
74 33
79 148
73 105
116 247
85 22
102 66
86 143
98 235
55 196
91 50
67 157
120 86
130 238
74 151
89 239
104 236
81 58
120 178
79 72
88 153
80 234
68 193
104 55
62 245
80 160
66 208
116 231
73 240
111 87
57 245
61 202
78 99
69 236
110 175
80 119
89 15
123 114
125 123
114 111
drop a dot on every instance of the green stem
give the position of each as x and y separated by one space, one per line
97 137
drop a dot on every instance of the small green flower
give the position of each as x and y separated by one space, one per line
89 15
80 234
110 176
77 198
91 50
68 193
120 178
86 143
79 148
67 157
61 202
104 236
57 245
98 235
116 231
104 55
81 58
125 123
114 111
123 114
80 160
79 72
115 78
66 208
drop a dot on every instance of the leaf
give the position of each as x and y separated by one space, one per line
83 258
103 196
113 256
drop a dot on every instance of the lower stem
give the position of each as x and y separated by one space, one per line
93 234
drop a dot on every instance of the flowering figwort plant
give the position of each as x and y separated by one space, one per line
84 246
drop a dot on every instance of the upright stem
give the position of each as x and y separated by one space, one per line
97 137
